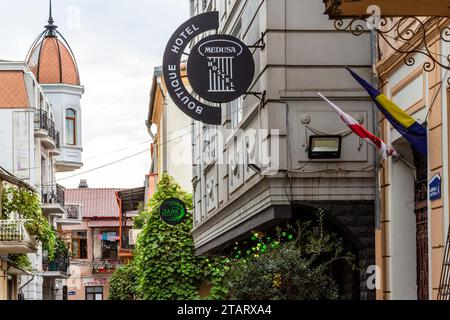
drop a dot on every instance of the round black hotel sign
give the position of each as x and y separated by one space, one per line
220 68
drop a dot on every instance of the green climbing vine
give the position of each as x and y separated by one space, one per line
27 204
21 261
290 263
165 264
122 284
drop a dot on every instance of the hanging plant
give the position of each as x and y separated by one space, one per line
28 205
21 261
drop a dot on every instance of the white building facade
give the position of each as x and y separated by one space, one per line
40 121
254 171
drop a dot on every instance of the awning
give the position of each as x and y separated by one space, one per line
132 199
108 224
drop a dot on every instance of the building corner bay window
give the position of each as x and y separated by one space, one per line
71 122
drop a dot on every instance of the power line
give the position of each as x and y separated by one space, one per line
118 150
144 142
113 162
104 166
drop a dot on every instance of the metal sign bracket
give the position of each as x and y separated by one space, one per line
260 44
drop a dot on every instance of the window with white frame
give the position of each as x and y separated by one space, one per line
71 127
237 112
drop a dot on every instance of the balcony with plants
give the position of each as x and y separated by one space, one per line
58 267
14 237
23 226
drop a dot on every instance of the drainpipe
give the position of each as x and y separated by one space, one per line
119 202
377 166
20 293
377 133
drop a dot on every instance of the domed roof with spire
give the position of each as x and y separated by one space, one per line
51 59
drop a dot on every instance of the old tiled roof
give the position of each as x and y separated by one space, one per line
52 62
13 93
96 203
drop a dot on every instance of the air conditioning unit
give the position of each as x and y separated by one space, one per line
73 212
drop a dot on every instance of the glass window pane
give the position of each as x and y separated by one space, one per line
90 290
75 249
83 249
70 132
70 113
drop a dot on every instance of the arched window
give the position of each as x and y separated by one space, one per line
71 127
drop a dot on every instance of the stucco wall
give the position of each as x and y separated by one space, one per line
303 54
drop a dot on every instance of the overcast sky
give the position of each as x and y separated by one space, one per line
117 43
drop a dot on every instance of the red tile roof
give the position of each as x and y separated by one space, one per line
51 62
96 203
13 93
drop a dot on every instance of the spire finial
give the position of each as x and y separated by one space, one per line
50 25
50 15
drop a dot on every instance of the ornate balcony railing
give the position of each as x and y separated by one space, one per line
53 194
12 230
43 122
60 263
14 237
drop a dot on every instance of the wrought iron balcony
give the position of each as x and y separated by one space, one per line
58 267
43 123
53 199
53 194
14 237
60 264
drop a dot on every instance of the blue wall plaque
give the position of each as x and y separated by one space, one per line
434 187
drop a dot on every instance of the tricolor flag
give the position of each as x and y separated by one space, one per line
362 132
414 132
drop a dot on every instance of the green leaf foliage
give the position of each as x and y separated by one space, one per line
296 269
21 261
27 204
122 284
165 265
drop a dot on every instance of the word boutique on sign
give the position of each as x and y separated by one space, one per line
220 68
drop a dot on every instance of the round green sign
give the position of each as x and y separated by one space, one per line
173 211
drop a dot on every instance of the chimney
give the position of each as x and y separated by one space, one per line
83 184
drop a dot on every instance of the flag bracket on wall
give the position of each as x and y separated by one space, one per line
260 44
260 95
